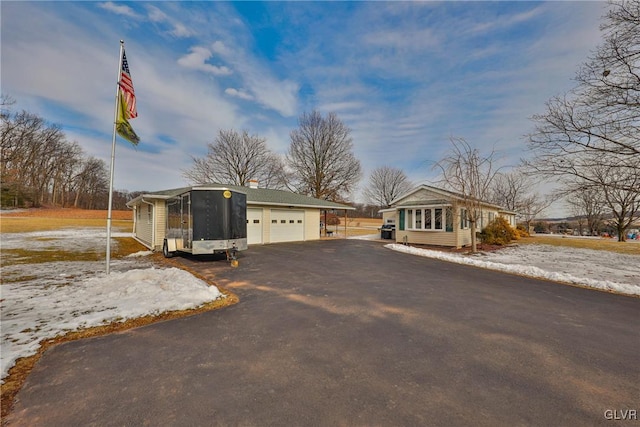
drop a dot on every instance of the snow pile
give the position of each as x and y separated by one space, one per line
44 300
32 312
596 269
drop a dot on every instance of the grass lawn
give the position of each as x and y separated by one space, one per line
612 245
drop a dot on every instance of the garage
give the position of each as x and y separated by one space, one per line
272 215
287 225
254 226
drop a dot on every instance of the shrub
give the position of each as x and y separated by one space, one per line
498 232
521 231
332 219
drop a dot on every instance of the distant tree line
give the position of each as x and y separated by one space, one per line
39 166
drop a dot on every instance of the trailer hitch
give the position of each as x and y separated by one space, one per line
232 256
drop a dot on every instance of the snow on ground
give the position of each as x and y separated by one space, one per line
41 301
586 267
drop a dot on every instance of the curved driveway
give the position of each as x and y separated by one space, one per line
347 333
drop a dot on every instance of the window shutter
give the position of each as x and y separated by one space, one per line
401 220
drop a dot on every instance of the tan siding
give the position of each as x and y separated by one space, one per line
161 222
312 224
437 238
464 238
144 228
422 195
389 215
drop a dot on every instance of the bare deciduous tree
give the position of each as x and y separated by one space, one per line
235 158
38 165
92 181
586 202
466 171
622 203
513 191
385 185
597 124
321 159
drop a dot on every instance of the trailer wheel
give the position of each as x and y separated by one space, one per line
165 250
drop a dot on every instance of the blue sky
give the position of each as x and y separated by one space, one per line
404 76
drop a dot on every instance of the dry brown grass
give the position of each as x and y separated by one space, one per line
628 248
49 219
355 227
53 219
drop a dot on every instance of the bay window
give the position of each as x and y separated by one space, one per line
434 219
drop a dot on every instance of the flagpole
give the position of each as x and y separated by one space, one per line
113 157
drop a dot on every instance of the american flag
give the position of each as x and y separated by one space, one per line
126 85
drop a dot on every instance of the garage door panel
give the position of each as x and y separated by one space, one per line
286 225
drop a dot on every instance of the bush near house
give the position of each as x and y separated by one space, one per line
521 231
498 232
332 219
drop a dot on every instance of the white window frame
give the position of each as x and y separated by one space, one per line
420 211
464 219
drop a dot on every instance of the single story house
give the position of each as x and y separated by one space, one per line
433 216
272 215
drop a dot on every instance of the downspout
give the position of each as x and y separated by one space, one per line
135 219
153 223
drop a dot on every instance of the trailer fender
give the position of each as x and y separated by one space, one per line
169 247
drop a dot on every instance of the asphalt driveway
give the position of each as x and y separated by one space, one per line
345 332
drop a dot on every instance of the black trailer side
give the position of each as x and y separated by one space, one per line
205 220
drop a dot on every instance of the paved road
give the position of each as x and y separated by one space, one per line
348 333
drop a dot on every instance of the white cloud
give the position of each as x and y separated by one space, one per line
119 9
196 60
156 15
413 39
338 107
239 93
179 30
220 48
257 77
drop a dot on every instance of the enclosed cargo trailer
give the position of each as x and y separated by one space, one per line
206 220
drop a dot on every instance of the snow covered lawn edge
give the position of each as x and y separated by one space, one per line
525 270
32 312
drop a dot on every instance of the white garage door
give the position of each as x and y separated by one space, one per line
286 225
254 226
